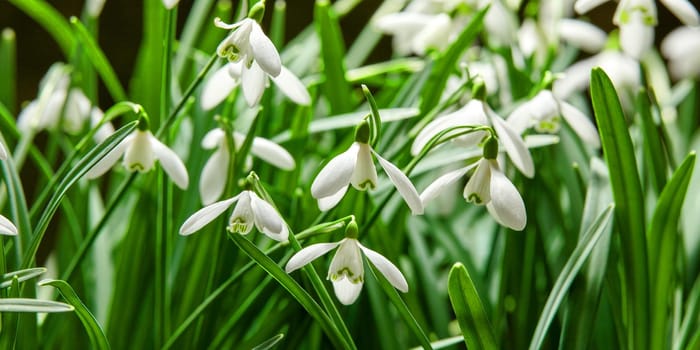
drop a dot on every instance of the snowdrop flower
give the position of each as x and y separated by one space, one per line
225 79
141 150
682 48
488 186
213 179
247 43
416 32
74 104
581 34
636 19
543 113
355 167
249 210
347 271
476 113
7 227
622 70
500 23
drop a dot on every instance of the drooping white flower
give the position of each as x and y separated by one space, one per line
141 149
581 34
682 48
7 227
416 32
488 186
355 167
247 43
622 70
249 210
636 19
59 106
543 113
225 79
476 113
682 9
347 271
214 174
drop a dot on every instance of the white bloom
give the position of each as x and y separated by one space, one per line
7 227
682 48
488 186
347 270
581 34
622 70
636 19
476 113
249 210
75 107
500 23
141 149
214 173
355 167
543 113
106 129
247 43
225 79
416 32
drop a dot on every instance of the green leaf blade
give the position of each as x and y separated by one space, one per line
471 315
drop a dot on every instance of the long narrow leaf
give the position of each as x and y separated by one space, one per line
663 246
32 305
92 327
336 88
629 203
471 315
567 275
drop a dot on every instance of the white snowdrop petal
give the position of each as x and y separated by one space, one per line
583 6
212 182
684 11
580 123
264 51
28 118
472 114
213 138
292 87
307 255
253 80
111 158
106 129
514 146
272 153
205 215
387 268
581 34
336 173
403 185
364 177
478 188
329 202
347 291
506 202
267 219
171 163
636 37
7 227
217 87
575 78
442 182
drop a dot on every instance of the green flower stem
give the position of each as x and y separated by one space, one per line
328 326
316 281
